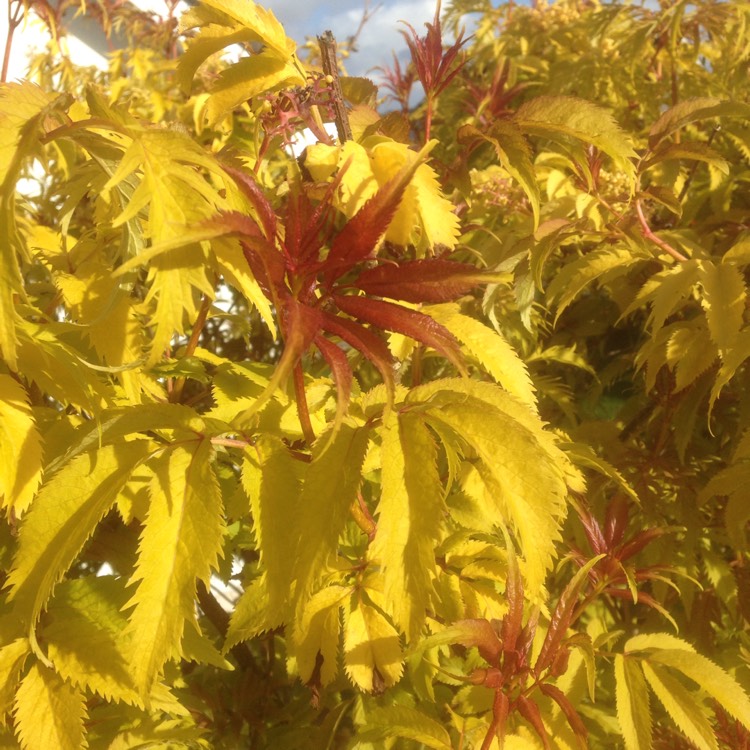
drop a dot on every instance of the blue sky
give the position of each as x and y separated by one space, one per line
380 36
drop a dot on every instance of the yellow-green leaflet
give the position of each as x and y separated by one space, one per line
724 295
49 712
20 448
490 349
180 542
22 109
555 116
252 615
662 641
633 710
403 721
271 478
61 519
685 709
317 631
720 685
371 643
12 659
324 504
84 637
409 519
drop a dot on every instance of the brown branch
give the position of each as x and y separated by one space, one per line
327 44
363 518
693 169
15 14
192 345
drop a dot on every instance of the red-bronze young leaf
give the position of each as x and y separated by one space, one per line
267 268
254 193
576 724
308 228
562 617
530 711
616 520
593 532
341 371
641 540
481 634
364 341
426 280
360 235
416 325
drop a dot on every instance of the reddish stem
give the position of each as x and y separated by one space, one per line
649 235
302 409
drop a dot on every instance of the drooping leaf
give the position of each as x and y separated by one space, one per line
250 77
271 479
49 712
342 376
63 516
364 341
25 108
324 505
372 652
721 686
180 542
261 23
20 447
409 519
687 150
13 656
116 423
576 276
234 268
252 615
301 324
693 110
724 295
507 438
633 711
316 634
585 457
684 708
56 367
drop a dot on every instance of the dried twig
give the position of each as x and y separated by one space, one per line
327 44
